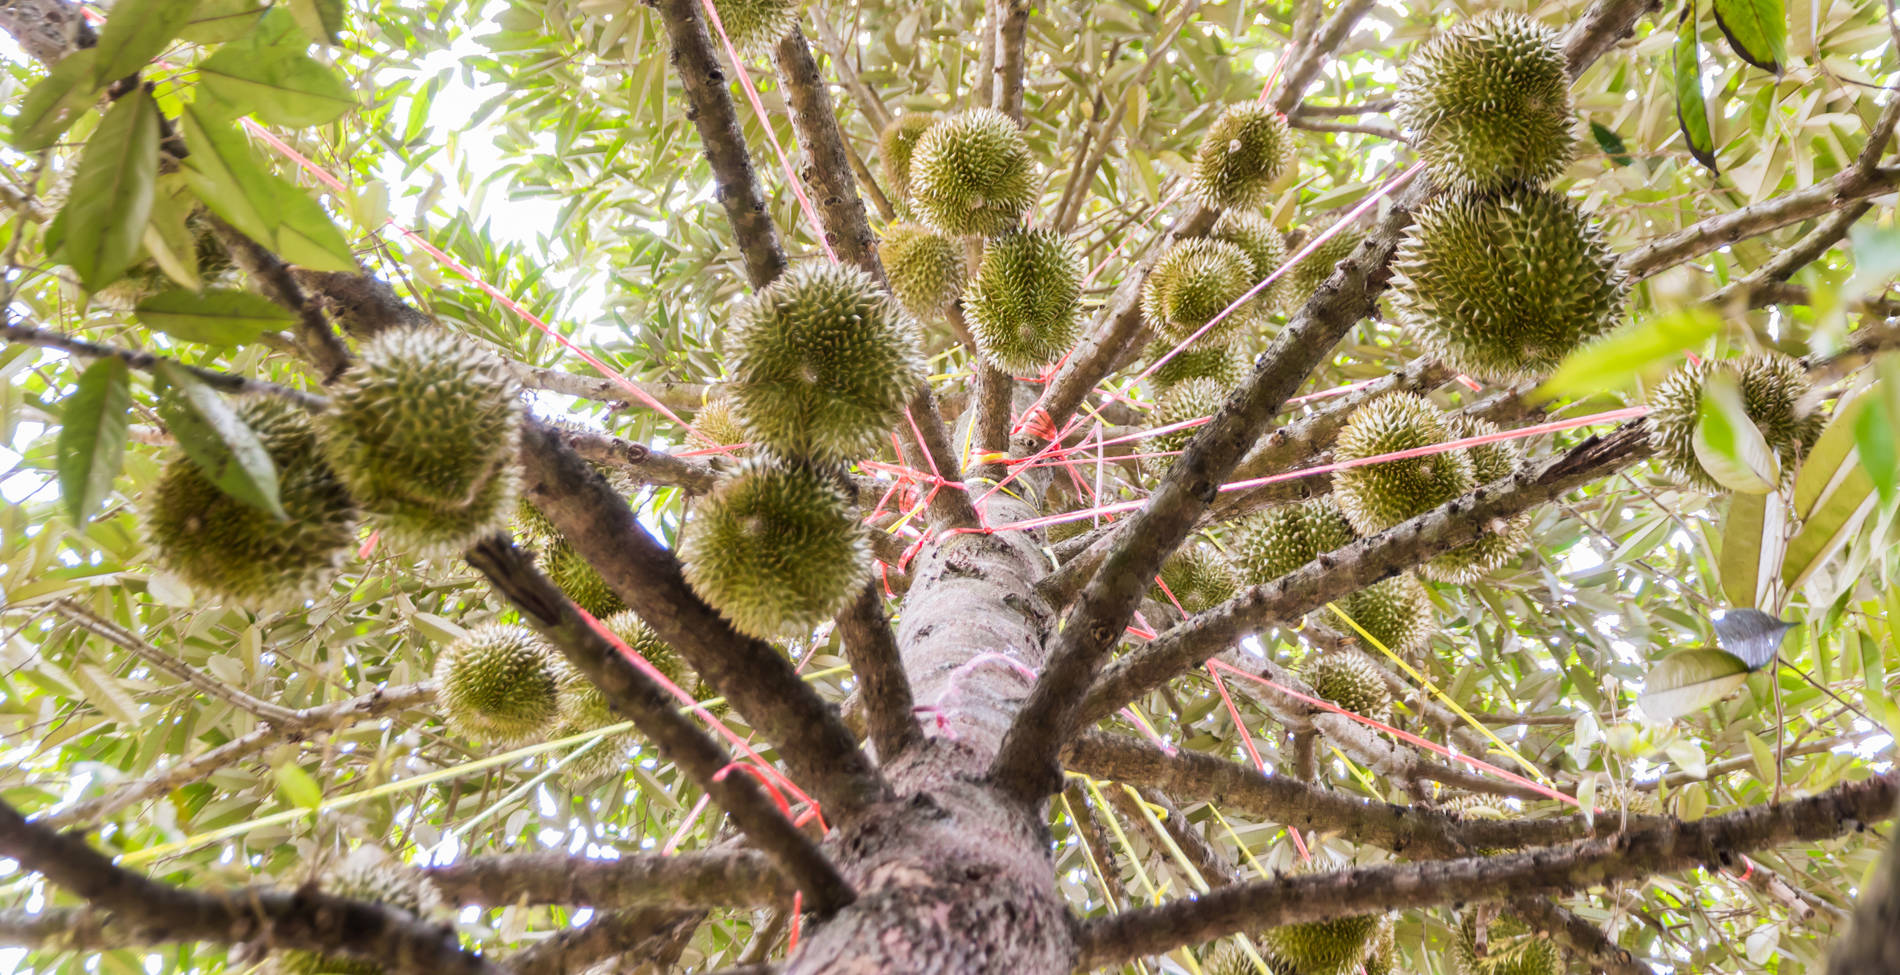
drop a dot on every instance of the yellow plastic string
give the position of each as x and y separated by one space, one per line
1246 944
1364 777
1142 720
1088 853
1128 850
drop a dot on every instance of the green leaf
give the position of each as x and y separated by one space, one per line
1833 522
1873 436
322 20
307 237
168 237
1756 29
1689 680
278 86
216 439
1751 540
56 102
221 21
216 317
1611 144
1765 763
112 192
1832 456
1692 111
135 34
297 787
1619 358
1728 444
226 176
1694 803
103 691
91 443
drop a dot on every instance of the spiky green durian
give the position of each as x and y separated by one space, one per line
1374 497
1397 612
531 526
1312 271
1774 392
500 684
822 363
777 549
1333 947
1510 948
1226 365
1198 577
717 424
1243 152
580 581
925 268
1025 301
1228 960
1503 538
584 705
1489 103
226 548
1264 246
1350 681
894 147
1503 286
1190 400
365 878
1382 952
1195 280
971 173
423 430
755 26
1274 542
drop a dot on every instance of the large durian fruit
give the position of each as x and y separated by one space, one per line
971 173
925 268
365 876
1350 681
1397 612
1242 153
1503 539
1333 947
1194 281
1025 302
225 547
1376 496
822 363
1504 285
1775 394
499 684
1198 577
894 147
423 429
1510 948
1488 103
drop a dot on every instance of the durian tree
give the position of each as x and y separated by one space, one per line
734 485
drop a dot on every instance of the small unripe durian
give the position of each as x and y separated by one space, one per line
925 268
717 424
1773 389
580 581
894 147
1198 576
1190 400
822 363
1304 280
1243 152
777 549
1228 960
1377 496
971 173
1264 246
226 548
1333 947
382 882
423 430
1195 280
1489 102
584 705
1350 681
500 684
1397 612
1224 364
1510 948
1503 286
1274 542
1025 301
755 26
1502 540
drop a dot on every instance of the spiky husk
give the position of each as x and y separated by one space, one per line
1489 103
499 685
971 173
1062 531
1190 400
1397 612
584 706
1333 947
1377 496
894 148
755 26
1503 286
1226 365
1274 542
777 549
1228 960
1025 301
717 424
925 268
531 526
1198 576
822 363
1350 681
1265 247
1195 280
382 882
1773 389
1304 280
1511 948
1382 952
1503 538
423 430
1246 148
580 581
225 548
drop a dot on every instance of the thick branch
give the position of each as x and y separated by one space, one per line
1724 229
146 362
834 191
322 346
638 460
1313 56
871 647
641 932
678 397
704 879
1006 93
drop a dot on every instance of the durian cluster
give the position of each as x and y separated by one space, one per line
570 573
1775 395
1397 612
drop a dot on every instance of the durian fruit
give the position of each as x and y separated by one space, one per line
822 363
1489 103
531 526
1271 543
894 147
777 549
925 268
1228 960
1510 948
971 173
365 877
423 430
1333 947
1502 539
755 26
1264 246
584 706
1382 952
1195 280
1025 301
1190 400
1246 148
1062 531
1377 496
1397 612
1226 365
499 685
717 424
580 581
1504 285
1774 389
1350 681
1198 576
1304 280
226 548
